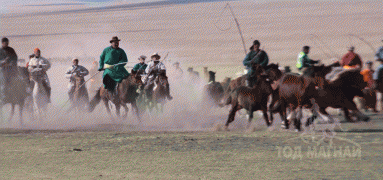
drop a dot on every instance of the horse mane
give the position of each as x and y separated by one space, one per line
272 66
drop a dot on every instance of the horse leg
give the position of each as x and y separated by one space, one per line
265 116
250 117
231 116
12 112
106 103
21 108
297 119
137 111
126 110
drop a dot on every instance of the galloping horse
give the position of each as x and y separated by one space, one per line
213 90
127 93
271 70
39 93
16 93
160 91
80 97
251 99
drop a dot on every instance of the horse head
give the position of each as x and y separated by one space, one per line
136 77
274 72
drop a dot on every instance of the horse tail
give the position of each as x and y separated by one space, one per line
95 101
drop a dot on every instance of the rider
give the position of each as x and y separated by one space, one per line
351 59
8 61
153 69
378 74
75 71
367 74
379 53
141 66
303 61
40 62
255 56
113 59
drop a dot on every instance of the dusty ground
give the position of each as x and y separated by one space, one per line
183 142
262 154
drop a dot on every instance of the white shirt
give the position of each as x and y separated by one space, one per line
151 66
36 62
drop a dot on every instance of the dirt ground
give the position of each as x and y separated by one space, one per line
238 154
185 142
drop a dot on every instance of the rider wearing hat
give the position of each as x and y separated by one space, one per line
351 59
40 62
141 66
113 60
378 74
8 61
255 56
75 70
154 68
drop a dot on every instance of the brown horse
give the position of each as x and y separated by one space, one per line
272 70
369 99
159 95
341 92
251 99
296 91
213 90
126 93
80 97
16 93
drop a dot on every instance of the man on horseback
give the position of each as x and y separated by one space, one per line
8 63
141 66
304 63
75 71
379 53
255 56
113 60
351 59
40 62
155 67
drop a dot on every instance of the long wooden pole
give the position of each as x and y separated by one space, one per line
239 28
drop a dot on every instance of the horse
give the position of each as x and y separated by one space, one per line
16 93
251 98
340 93
39 93
127 93
271 70
296 91
80 98
369 100
159 95
213 90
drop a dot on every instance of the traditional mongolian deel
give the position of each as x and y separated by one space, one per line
108 59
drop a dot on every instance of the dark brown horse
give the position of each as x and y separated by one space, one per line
159 95
272 70
16 92
369 100
296 91
126 93
213 91
341 92
251 99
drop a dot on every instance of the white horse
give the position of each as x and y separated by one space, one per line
39 94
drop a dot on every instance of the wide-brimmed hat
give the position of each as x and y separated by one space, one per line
155 55
74 59
351 48
369 62
142 57
114 38
381 60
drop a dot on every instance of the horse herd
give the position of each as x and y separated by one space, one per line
291 92
274 92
